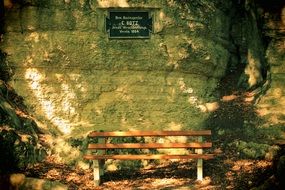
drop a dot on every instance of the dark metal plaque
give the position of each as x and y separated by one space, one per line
129 24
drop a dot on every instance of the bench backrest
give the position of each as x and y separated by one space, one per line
103 145
149 133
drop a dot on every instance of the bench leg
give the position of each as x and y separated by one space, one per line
96 172
98 165
200 162
200 169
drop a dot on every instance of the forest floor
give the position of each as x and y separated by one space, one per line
234 121
220 173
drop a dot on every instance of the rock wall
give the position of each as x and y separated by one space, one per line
272 104
74 79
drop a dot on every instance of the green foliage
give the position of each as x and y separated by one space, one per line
7 158
251 150
16 152
250 141
137 1
261 134
125 140
250 132
81 143
281 170
129 164
5 69
42 3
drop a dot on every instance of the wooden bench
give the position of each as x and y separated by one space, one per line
197 143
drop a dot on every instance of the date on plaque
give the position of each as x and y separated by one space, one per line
129 24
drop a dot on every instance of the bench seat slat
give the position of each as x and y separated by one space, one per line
148 157
149 133
150 145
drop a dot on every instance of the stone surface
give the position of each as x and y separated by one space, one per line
272 104
74 79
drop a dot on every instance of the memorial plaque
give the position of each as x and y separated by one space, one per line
129 24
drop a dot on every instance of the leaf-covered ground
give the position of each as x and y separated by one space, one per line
220 173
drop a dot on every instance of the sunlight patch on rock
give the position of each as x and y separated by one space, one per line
34 78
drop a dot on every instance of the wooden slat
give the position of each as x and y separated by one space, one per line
148 157
150 145
149 133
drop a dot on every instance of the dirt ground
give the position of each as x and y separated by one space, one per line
220 173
